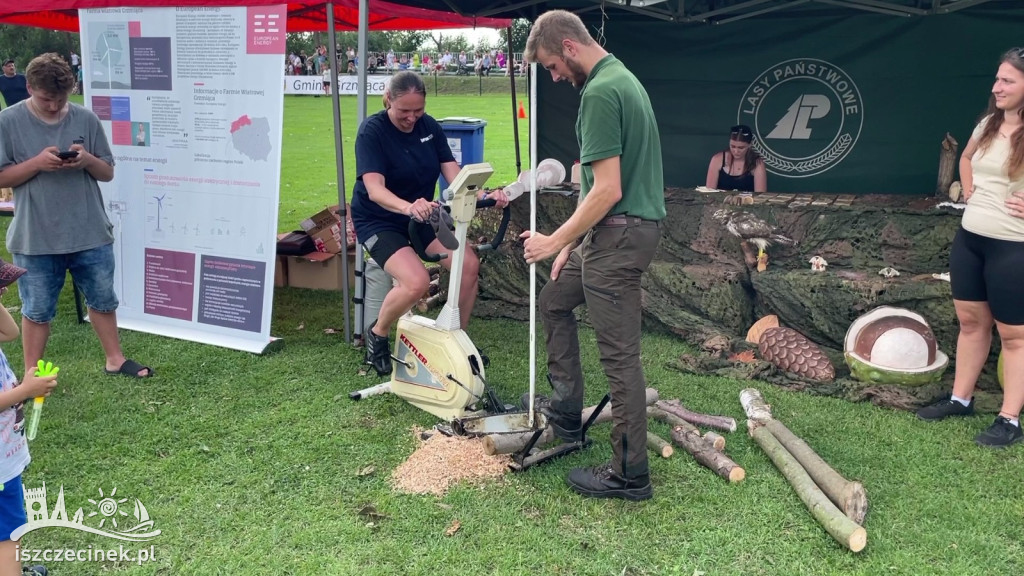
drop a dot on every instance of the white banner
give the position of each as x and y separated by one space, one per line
348 83
192 105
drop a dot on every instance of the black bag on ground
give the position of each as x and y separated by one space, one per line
296 243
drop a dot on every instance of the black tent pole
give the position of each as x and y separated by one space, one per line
510 61
339 160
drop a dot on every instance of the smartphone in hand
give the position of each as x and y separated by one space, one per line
67 154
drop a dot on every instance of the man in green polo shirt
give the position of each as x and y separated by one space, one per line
602 250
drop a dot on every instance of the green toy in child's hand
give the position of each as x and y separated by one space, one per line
42 369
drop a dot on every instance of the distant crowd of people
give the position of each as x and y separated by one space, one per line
480 63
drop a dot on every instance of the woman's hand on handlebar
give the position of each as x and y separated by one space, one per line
499 197
420 209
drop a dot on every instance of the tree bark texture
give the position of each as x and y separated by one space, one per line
849 496
705 454
838 525
659 446
947 166
724 423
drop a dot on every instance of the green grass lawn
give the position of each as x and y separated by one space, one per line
250 465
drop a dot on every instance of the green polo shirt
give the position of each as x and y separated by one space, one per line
616 119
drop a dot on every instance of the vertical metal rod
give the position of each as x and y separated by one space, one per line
339 160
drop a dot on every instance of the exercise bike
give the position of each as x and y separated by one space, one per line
436 365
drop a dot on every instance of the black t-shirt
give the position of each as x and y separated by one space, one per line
410 164
13 88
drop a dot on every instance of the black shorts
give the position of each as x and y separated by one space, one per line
383 245
983 269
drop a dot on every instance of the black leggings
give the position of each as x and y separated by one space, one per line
984 269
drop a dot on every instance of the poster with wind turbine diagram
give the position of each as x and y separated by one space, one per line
190 98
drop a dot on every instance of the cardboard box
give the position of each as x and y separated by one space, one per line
327 239
327 219
320 271
280 272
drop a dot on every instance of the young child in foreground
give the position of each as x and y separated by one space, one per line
14 456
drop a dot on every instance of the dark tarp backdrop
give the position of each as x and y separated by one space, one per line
843 103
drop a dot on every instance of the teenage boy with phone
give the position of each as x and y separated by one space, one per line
59 221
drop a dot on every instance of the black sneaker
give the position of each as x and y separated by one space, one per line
568 428
378 353
1000 434
602 482
37 570
945 408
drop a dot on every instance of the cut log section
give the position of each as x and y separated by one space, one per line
716 440
704 453
511 443
849 496
724 423
838 525
659 446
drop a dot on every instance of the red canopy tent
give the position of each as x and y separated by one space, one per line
302 16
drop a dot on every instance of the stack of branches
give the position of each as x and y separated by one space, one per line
838 504
706 449
435 295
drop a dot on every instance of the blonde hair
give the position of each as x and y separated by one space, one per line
550 29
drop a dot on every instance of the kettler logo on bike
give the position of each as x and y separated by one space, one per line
110 514
421 357
806 115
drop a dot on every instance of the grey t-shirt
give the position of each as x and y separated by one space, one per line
55 212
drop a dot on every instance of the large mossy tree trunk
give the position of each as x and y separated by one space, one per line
699 285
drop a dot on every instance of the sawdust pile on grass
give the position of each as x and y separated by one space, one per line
442 461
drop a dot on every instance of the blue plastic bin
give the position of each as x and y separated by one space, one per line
465 138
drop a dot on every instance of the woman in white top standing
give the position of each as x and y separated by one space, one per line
987 258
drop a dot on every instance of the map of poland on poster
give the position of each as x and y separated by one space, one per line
190 98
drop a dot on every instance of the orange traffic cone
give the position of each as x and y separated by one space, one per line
522 111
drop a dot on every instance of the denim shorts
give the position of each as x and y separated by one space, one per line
12 507
93 273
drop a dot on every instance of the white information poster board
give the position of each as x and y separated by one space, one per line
191 101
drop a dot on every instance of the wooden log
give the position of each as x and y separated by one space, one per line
754 405
707 420
947 165
849 496
659 446
511 443
427 303
838 525
716 440
704 453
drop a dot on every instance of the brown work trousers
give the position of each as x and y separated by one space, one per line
604 272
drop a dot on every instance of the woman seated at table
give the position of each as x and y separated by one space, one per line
740 167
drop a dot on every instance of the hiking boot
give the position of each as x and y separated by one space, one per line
378 352
1000 434
37 570
945 408
602 482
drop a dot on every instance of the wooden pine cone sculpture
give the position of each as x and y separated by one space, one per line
791 351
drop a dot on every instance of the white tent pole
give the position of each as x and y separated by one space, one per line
363 56
533 229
